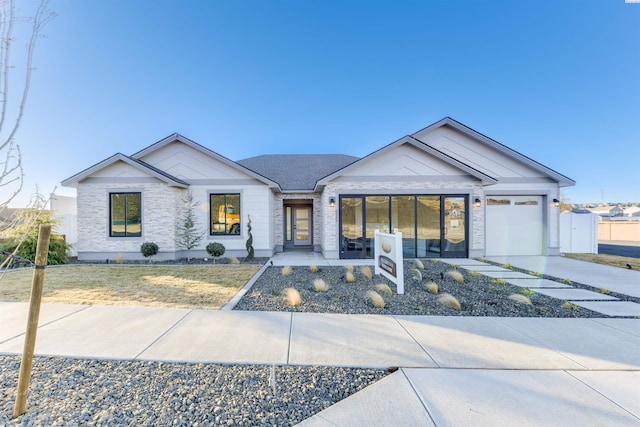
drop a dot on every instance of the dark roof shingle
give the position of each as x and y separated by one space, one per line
297 171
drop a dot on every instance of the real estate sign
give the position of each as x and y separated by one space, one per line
388 258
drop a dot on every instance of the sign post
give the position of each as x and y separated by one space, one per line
388 258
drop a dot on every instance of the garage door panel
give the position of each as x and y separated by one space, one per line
514 228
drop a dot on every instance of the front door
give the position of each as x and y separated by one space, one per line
301 226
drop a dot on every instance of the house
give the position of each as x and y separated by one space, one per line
450 190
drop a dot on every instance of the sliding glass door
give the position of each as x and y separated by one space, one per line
431 225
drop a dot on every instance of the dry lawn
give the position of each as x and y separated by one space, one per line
187 286
612 260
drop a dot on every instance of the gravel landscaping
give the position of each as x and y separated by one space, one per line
105 392
67 392
478 295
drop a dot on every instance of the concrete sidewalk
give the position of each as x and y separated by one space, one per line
454 370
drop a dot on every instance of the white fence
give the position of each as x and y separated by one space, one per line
579 233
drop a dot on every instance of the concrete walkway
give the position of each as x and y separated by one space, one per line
453 370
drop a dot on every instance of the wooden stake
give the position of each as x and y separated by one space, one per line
42 250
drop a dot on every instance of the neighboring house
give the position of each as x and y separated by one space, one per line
63 209
450 190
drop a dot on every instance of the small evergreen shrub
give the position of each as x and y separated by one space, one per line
58 248
215 249
148 249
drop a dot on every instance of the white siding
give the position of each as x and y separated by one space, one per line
476 154
405 160
187 163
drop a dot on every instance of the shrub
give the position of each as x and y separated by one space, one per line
286 270
507 266
58 248
292 297
417 273
528 292
432 287
520 299
455 275
366 272
384 289
499 282
249 244
375 299
320 285
449 301
313 268
148 249
419 264
349 267
234 260
474 273
570 306
349 277
215 249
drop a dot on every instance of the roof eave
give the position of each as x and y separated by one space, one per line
74 180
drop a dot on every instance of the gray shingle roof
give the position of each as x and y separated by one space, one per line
297 171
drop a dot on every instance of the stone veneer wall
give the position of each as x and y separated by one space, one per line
159 203
335 189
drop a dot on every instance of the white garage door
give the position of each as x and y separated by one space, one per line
514 225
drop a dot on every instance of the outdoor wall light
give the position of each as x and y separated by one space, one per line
476 203
556 203
332 202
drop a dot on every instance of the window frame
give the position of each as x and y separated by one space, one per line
126 193
225 194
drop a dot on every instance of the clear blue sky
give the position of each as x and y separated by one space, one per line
556 80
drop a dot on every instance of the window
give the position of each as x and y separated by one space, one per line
125 212
498 201
225 214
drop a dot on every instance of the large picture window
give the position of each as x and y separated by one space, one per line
125 214
225 214
431 225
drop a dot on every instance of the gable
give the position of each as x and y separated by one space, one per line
120 169
405 161
482 157
188 163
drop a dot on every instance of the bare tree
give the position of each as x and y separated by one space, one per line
11 78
